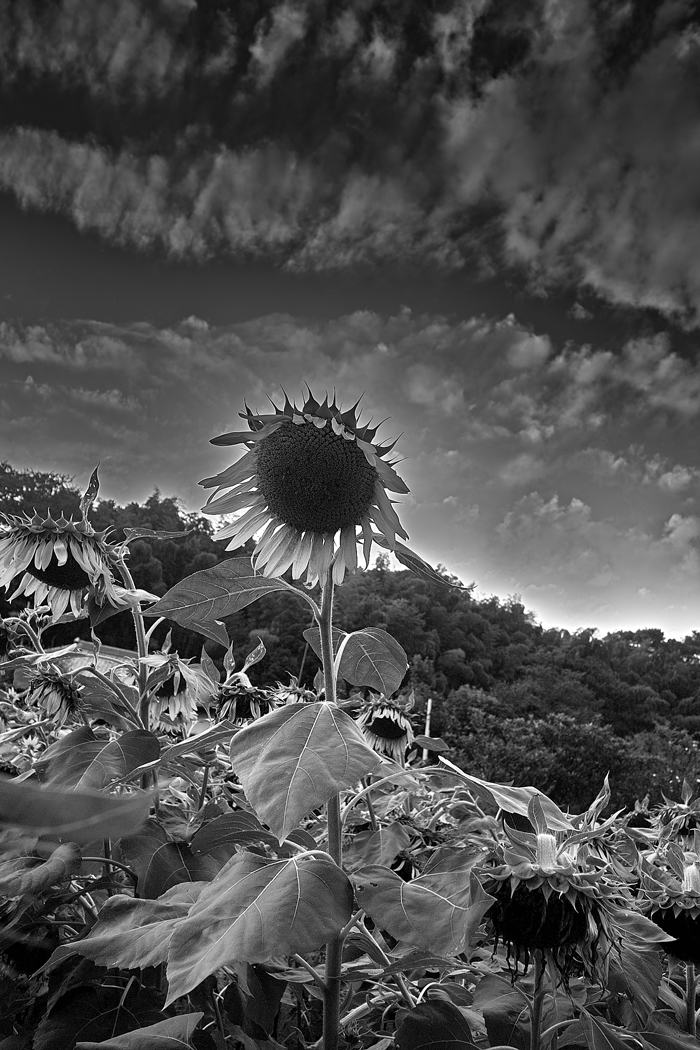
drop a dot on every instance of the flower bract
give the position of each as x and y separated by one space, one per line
310 478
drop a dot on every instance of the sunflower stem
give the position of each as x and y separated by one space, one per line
141 646
334 947
690 987
538 1001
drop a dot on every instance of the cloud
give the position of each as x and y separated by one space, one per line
550 543
573 481
364 139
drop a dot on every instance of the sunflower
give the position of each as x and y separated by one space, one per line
553 895
311 474
59 559
670 895
56 694
386 728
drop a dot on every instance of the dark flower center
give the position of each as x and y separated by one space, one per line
685 928
314 479
69 577
528 920
386 728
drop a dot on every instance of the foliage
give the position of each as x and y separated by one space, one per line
189 857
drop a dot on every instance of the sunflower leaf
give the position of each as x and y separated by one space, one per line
439 911
255 910
174 1033
154 534
414 562
294 759
201 601
132 933
370 657
79 816
434 1026
512 799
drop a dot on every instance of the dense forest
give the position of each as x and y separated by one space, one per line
513 700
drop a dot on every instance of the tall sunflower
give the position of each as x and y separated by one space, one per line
312 475
58 560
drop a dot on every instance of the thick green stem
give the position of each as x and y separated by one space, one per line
334 947
690 1022
537 1002
141 646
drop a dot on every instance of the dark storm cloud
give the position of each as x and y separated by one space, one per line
557 139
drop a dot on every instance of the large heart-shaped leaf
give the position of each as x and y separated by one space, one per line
132 933
87 763
175 1033
77 816
294 759
370 657
256 909
201 601
437 912
434 1026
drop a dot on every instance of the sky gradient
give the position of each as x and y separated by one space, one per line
485 216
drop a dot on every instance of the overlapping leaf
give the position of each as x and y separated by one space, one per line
78 816
175 1033
434 1026
513 799
439 912
294 759
86 762
376 847
201 601
370 657
133 933
16 879
255 910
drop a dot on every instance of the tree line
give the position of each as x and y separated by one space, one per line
502 685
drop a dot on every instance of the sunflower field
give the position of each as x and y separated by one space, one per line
191 859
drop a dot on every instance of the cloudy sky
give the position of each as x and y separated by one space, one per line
483 214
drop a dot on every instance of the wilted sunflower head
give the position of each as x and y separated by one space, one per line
387 728
551 896
670 896
59 560
311 474
292 693
55 693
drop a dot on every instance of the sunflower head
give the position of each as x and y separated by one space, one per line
54 693
311 477
549 897
387 728
58 561
293 693
670 896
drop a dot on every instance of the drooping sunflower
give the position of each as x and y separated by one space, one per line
387 728
555 896
55 693
58 560
670 896
311 475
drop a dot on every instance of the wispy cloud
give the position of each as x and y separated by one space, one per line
559 138
531 469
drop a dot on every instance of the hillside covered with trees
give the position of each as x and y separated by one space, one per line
513 700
